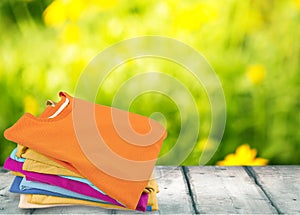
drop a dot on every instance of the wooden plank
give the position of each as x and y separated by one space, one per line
282 185
9 201
227 190
173 197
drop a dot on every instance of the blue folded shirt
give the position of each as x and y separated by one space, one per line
15 188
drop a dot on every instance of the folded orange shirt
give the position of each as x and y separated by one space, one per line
115 149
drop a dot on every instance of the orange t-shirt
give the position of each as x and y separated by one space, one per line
115 149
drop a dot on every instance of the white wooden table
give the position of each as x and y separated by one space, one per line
194 190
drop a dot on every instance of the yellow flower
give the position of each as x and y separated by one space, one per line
75 8
59 11
70 34
30 105
193 17
256 73
297 4
244 156
55 14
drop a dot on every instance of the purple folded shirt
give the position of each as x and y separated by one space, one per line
69 184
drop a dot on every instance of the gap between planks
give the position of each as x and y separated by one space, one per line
185 171
253 175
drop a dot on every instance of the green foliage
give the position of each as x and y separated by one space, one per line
252 45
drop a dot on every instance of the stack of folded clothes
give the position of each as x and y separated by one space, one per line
80 153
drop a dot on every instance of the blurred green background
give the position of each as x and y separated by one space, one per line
253 46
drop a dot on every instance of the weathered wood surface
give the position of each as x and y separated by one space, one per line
282 185
193 190
227 190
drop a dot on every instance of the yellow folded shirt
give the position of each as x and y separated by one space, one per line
20 150
17 174
26 205
45 164
50 200
36 166
152 189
